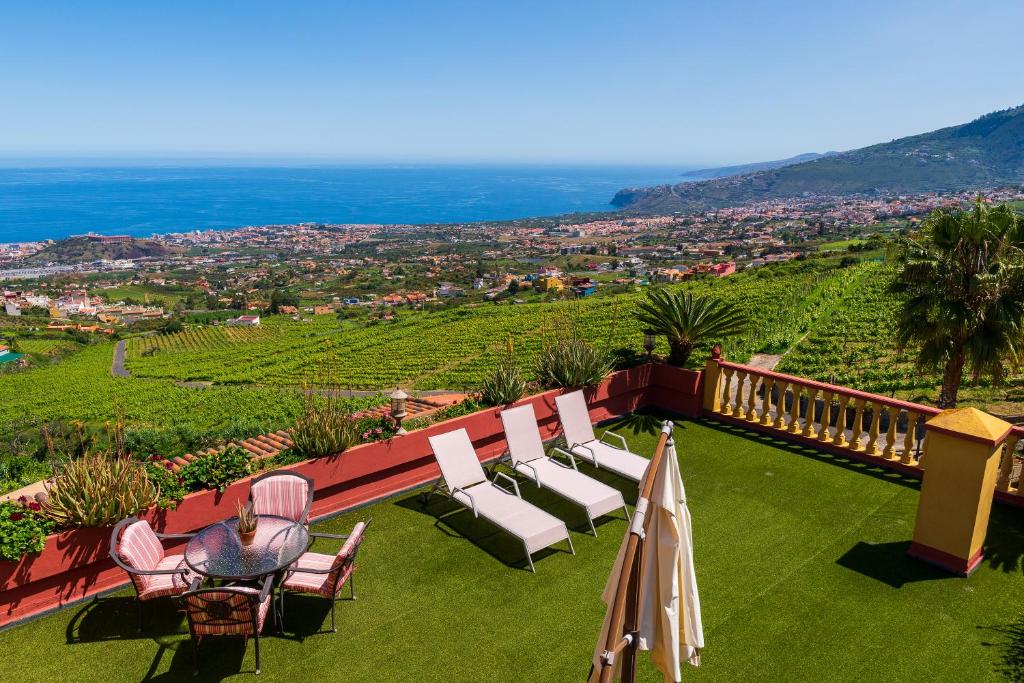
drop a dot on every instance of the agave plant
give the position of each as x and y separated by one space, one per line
247 519
98 489
571 361
325 426
507 384
687 320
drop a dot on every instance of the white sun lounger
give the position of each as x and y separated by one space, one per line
580 439
526 452
467 484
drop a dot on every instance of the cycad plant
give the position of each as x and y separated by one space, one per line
962 285
506 384
687 320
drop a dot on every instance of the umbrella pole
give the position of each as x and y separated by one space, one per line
627 589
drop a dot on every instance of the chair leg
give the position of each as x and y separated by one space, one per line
625 509
195 656
256 638
334 629
352 584
529 559
139 610
569 541
591 521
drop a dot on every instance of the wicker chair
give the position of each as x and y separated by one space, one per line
227 611
324 575
139 550
283 493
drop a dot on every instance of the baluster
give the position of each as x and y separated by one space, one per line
794 411
780 405
876 420
727 374
910 439
812 395
1006 464
840 438
890 435
738 408
857 428
767 384
752 398
826 415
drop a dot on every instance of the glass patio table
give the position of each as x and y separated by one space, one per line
217 551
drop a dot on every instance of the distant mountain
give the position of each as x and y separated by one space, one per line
740 169
986 152
84 249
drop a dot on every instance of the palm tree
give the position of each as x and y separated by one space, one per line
963 288
687 320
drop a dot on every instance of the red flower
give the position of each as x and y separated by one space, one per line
35 507
168 465
22 499
154 458
17 516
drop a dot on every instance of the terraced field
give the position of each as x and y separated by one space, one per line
455 349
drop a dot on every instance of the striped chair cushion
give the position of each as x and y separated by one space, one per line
141 549
159 585
327 585
225 612
283 495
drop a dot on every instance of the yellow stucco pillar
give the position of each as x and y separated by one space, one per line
961 465
712 378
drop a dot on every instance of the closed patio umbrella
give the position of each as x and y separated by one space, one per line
657 597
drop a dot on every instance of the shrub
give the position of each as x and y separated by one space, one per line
217 470
378 428
23 528
571 361
98 489
170 484
325 426
506 384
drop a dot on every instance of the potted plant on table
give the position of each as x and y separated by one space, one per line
247 520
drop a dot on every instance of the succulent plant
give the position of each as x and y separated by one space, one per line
246 517
98 489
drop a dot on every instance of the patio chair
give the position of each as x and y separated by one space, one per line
526 453
580 439
139 550
283 493
466 484
227 611
324 575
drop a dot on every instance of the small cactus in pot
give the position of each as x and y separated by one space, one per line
247 521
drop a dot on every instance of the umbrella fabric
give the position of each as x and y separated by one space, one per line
669 623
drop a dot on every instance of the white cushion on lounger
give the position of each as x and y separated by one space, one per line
624 463
537 528
596 496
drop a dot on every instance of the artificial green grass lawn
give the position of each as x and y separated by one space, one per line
800 563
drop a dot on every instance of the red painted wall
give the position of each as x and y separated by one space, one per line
75 564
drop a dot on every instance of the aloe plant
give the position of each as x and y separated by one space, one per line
98 489
506 384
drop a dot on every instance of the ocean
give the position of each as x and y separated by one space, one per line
50 202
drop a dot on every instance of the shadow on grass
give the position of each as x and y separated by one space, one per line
889 563
1004 544
1009 642
850 464
115 617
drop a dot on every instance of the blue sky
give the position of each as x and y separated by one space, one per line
620 82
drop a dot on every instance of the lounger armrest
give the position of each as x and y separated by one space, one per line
469 495
617 436
536 474
593 455
572 460
515 484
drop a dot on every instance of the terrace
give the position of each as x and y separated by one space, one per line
800 554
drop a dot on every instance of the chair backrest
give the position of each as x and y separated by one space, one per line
457 459
222 611
575 418
344 561
137 546
522 434
283 493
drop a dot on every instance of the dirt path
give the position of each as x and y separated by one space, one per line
117 369
765 361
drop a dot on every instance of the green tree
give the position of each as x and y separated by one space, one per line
687 320
962 285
